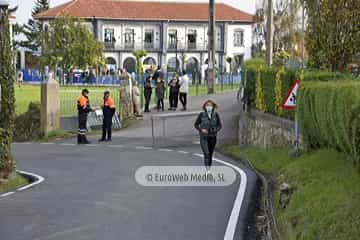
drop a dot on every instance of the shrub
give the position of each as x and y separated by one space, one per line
276 83
253 64
259 103
27 125
329 115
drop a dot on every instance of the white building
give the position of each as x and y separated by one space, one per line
166 30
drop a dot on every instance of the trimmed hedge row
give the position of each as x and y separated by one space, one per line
270 90
276 82
329 115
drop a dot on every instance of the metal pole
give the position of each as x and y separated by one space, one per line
211 48
296 141
176 52
269 35
303 37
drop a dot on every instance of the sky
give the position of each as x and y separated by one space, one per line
25 6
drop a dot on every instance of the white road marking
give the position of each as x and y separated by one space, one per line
165 150
23 143
183 152
198 155
231 227
143 148
115 146
92 145
67 144
39 180
7 194
47 143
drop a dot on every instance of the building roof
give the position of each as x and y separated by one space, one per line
141 10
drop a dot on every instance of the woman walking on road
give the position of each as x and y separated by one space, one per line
208 124
147 92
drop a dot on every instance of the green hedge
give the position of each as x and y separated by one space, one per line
27 125
329 115
268 77
256 66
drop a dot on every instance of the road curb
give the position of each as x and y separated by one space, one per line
33 178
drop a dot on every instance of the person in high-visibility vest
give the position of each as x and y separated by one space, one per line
84 108
109 109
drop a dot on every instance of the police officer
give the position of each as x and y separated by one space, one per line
84 108
208 124
108 108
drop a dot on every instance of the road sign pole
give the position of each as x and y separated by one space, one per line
297 133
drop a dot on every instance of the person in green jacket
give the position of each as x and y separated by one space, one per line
208 124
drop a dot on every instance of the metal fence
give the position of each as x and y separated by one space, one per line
69 95
181 130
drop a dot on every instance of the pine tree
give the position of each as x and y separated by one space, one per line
32 30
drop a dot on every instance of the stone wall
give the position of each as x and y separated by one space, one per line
265 130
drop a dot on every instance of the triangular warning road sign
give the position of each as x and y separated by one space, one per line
290 101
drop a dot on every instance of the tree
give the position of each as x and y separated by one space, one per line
7 105
71 44
33 29
139 54
287 32
333 32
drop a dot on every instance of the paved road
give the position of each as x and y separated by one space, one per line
90 192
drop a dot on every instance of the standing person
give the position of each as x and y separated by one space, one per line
147 92
160 92
158 73
83 106
136 99
173 92
108 108
184 89
208 124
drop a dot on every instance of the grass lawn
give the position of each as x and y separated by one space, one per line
325 201
27 93
9 185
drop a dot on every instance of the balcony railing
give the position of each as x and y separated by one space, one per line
192 46
172 47
131 46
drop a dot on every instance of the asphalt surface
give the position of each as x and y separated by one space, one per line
90 192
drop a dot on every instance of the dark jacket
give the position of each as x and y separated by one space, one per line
160 89
174 88
213 124
147 88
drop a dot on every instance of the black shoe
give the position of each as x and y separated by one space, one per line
102 140
170 109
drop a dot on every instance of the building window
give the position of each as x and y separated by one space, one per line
238 38
149 39
192 39
129 38
172 39
109 36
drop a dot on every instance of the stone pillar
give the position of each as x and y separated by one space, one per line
50 106
126 103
